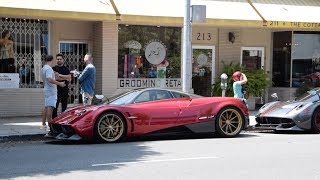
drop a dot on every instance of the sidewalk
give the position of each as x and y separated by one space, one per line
14 127
27 127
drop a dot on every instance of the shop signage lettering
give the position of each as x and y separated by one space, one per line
9 80
155 52
147 82
293 24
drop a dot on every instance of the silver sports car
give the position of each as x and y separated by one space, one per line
301 114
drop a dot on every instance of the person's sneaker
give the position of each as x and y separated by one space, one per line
49 135
45 127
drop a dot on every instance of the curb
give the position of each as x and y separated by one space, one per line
251 129
16 138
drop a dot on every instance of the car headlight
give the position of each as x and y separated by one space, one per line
80 112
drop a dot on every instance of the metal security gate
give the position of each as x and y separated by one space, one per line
74 53
30 42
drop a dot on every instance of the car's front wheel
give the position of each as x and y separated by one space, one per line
229 122
315 123
110 127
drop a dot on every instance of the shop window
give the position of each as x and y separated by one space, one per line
306 59
24 50
147 52
252 57
296 63
281 64
73 53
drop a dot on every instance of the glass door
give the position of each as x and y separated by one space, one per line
203 69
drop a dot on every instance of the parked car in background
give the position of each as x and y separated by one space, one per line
301 114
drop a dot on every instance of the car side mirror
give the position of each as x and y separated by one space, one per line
99 96
98 99
275 96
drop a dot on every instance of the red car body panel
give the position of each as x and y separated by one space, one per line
147 117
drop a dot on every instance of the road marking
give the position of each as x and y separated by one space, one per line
153 161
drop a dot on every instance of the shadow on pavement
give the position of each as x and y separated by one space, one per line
51 158
150 138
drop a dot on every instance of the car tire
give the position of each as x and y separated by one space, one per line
110 127
315 122
229 122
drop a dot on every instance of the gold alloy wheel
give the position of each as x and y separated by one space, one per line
230 122
110 127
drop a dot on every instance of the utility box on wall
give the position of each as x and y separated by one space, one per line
198 13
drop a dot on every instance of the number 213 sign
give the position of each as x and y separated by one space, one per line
203 36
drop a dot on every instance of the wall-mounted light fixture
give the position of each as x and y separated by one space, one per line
232 37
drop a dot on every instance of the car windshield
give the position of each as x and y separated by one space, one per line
122 98
311 95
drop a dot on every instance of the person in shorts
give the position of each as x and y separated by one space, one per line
50 90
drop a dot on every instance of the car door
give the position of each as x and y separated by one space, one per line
154 110
189 111
192 109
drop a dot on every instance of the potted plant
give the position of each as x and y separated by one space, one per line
258 82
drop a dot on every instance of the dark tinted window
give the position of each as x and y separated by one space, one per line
152 95
179 95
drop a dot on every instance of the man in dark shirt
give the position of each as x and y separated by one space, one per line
62 74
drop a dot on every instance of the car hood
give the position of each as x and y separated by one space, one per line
279 108
73 114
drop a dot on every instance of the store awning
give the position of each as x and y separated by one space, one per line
172 11
74 9
236 13
289 13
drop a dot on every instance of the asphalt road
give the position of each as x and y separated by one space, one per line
263 156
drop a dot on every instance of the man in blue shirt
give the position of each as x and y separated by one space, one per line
87 79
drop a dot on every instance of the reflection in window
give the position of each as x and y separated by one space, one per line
152 95
143 97
306 58
30 45
162 94
178 94
143 49
251 59
281 59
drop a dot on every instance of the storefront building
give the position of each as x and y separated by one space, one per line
134 46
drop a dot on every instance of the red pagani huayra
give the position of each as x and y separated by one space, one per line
151 110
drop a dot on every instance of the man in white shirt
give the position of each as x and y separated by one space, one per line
50 90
